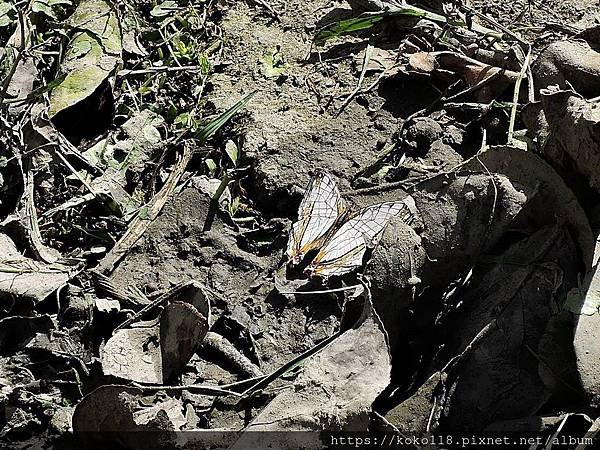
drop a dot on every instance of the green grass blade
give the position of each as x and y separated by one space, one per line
214 125
346 26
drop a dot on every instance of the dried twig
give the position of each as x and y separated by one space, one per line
513 112
365 66
216 343
140 224
202 388
264 382
326 291
495 24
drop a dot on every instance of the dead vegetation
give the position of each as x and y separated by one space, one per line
152 159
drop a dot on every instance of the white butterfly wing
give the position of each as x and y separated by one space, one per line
320 208
345 250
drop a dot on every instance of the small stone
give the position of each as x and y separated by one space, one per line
423 131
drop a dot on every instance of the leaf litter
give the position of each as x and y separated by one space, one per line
152 158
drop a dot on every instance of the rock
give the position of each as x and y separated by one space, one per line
61 419
422 132
443 156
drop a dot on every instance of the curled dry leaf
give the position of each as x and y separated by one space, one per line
573 144
134 354
394 270
449 65
182 329
462 215
569 62
412 415
117 411
154 353
22 82
24 277
553 201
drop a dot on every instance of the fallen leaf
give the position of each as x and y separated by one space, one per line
24 277
92 54
182 329
155 352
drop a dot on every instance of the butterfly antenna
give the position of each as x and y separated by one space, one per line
326 291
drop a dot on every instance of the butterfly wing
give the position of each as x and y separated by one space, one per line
319 210
346 248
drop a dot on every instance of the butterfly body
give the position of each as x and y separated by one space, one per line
338 235
320 209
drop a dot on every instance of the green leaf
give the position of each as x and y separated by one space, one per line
5 14
346 26
213 126
182 119
186 121
234 206
212 166
42 6
204 64
273 63
232 151
143 213
582 301
163 9
92 54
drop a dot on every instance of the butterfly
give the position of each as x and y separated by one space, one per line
338 233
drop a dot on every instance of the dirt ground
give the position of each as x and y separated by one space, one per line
144 282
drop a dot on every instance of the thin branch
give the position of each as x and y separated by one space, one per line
140 224
513 112
495 24
366 59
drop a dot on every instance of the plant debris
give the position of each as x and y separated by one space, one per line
164 269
